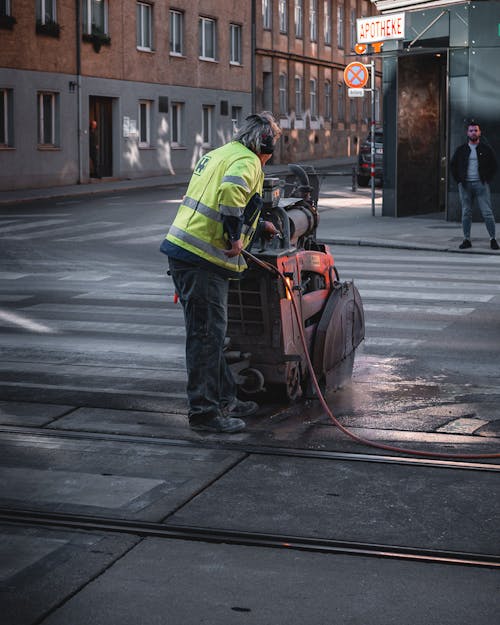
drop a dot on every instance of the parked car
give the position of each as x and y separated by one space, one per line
364 160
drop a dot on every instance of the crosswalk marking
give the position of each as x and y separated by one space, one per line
410 324
34 225
85 276
93 326
105 310
392 342
416 260
111 323
143 297
428 284
458 296
12 275
457 311
116 234
49 233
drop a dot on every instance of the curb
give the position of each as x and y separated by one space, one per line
404 246
89 189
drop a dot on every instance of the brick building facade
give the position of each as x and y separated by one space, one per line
302 48
163 81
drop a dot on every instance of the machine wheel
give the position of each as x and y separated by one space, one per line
293 382
363 181
253 381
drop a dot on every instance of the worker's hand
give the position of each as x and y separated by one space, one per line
270 229
235 249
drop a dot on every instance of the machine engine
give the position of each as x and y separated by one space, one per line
266 349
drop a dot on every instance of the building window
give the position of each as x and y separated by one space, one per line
206 125
354 35
313 98
207 39
47 119
267 91
144 26
144 123
236 117
328 22
341 102
46 11
298 96
267 14
176 33
235 37
313 19
328 100
298 18
283 11
95 17
5 8
177 124
340 26
4 128
6 109
283 93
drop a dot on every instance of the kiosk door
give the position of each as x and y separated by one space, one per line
421 134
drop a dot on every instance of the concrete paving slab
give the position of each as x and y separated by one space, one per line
41 568
412 506
108 478
19 552
30 414
134 422
74 488
164 582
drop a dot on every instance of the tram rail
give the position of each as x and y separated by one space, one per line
252 449
166 530
146 529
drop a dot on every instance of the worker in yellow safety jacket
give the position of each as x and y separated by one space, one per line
215 222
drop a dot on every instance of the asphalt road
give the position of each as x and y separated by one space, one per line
88 320
113 512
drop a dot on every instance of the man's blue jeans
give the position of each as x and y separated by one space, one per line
203 295
480 191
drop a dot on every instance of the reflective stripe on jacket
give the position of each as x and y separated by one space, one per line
222 183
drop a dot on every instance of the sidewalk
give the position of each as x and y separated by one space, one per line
346 215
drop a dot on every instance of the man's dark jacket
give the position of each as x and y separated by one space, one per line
486 159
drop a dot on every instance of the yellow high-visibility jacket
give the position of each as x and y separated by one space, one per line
222 183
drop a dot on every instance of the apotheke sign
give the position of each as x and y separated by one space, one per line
381 27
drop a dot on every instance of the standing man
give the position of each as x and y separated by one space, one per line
214 224
473 166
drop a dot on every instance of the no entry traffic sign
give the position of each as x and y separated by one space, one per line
356 75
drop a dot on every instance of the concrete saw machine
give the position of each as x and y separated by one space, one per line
265 350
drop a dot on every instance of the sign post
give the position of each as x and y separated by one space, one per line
372 133
355 77
373 31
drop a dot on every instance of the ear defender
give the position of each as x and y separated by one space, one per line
267 143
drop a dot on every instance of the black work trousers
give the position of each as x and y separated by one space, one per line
203 295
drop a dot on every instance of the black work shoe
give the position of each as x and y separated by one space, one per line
238 408
494 244
219 425
465 244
